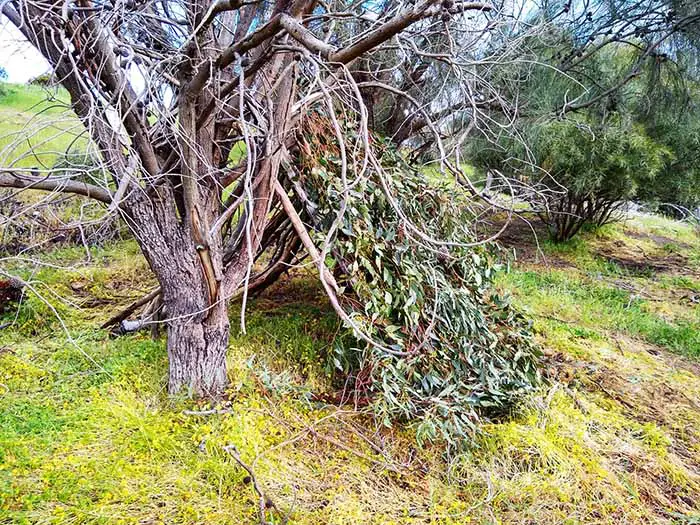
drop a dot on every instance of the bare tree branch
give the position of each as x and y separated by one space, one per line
13 179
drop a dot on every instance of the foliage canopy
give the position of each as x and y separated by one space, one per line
601 166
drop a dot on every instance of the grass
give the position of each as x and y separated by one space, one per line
37 127
87 434
38 130
603 308
623 278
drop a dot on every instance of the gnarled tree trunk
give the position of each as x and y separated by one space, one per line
194 312
197 350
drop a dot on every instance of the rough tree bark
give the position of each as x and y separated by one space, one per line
197 349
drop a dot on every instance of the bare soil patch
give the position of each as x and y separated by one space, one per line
658 239
635 261
525 239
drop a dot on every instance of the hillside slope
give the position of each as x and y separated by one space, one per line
88 434
36 127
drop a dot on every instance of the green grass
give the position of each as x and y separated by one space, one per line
88 434
37 127
602 308
600 295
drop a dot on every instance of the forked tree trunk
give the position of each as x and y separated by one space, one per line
197 328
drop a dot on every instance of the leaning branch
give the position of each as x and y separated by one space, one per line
13 179
302 35
304 235
126 312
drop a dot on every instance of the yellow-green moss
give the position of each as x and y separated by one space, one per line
88 435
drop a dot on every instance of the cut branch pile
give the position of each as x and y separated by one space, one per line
430 341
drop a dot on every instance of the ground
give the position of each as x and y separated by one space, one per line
35 126
88 435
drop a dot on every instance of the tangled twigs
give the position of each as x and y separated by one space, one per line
264 502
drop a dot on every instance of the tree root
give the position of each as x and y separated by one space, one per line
153 300
126 312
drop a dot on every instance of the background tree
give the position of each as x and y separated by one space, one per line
669 109
3 78
602 166
597 69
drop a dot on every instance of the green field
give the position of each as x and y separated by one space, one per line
37 127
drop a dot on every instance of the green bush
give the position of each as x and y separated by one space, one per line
676 188
592 170
584 143
42 80
3 78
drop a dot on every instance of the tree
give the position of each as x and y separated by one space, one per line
203 162
676 188
600 68
670 112
3 77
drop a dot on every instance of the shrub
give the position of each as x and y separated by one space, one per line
676 188
592 171
3 78
42 80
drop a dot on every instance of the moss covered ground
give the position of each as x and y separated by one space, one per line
88 434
